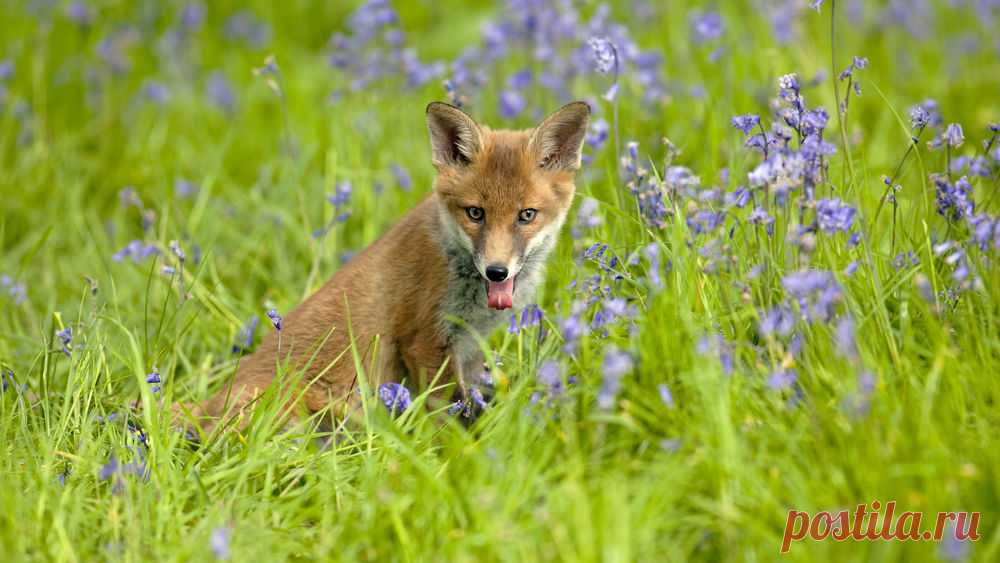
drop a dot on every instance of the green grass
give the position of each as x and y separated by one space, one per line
570 482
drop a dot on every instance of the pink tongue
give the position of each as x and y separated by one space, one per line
500 295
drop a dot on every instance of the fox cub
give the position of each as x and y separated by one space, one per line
415 298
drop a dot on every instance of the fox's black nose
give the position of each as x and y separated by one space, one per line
496 273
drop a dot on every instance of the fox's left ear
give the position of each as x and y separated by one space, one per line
455 138
558 142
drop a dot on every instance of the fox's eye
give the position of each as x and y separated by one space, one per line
526 216
475 213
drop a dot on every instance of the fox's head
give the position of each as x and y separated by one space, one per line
504 194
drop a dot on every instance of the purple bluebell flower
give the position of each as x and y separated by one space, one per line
511 103
834 215
476 399
550 376
275 319
108 469
985 231
514 328
219 90
924 288
738 198
130 198
137 251
761 217
980 166
184 188
154 379
471 406
112 50
865 390
270 73
451 90
219 542
342 194
926 113
954 200
652 253
7 379
66 336
954 135
857 63
815 4
782 379
611 93
244 338
245 27
777 321
814 122
951 547
705 221
746 123
959 164
6 70
374 49
417 72
192 16
113 469
15 290
175 247
148 219
788 85
587 217
616 365
903 259
611 310
403 179
395 397
520 80
814 147
955 256
665 395
706 26
648 191
531 315
79 13
919 117
595 251
604 53
718 345
816 291
846 345
108 419
156 92
597 133
670 445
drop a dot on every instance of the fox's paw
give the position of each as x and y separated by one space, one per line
470 405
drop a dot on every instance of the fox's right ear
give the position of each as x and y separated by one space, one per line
455 137
558 142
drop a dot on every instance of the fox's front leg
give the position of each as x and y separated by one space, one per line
475 383
468 369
